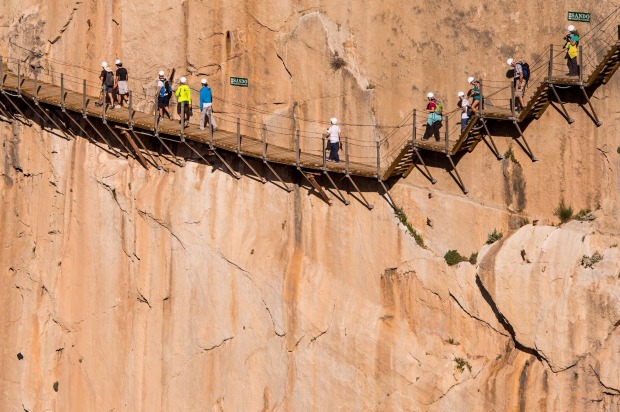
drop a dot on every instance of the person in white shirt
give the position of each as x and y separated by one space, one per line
333 134
464 106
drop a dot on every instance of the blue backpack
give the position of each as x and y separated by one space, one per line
165 90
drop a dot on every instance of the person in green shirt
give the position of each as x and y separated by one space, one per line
184 100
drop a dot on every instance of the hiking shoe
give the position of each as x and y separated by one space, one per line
337 161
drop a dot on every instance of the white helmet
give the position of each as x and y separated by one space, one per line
470 80
461 94
118 62
161 73
333 120
203 81
509 61
571 28
430 95
183 80
104 64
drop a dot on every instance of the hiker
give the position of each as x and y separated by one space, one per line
102 77
333 134
164 95
474 93
206 106
572 34
121 81
465 107
572 52
519 82
184 101
433 124
109 86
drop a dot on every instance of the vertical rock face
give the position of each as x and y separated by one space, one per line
185 289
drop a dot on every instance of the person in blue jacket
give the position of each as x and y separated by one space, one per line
206 106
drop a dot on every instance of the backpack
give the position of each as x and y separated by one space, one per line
439 107
526 71
165 90
109 79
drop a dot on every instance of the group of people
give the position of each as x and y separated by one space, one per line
520 74
183 94
115 90
114 86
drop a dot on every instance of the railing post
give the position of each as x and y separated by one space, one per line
264 138
297 149
238 135
62 92
130 114
84 101
580 68
346 154
379 161
105 107
1 75
182 121
618 31
156 117
481 98
512 98
323 142
36 87
447 129
413 131
550 62
19 79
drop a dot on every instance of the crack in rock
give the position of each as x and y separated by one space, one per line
69 20
217 345
475 317
161 223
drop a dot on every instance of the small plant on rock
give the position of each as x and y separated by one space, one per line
461 364
453 257
584 215
590 261
453 342
473 258
494 236
563 212
510 155
400 214
337 62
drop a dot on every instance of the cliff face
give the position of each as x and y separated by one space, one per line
185 289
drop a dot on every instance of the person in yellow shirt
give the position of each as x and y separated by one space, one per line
572 52
184 100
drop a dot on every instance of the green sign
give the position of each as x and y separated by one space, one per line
578 16
239 81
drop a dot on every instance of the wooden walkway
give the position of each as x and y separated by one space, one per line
413 152
409 154
246 146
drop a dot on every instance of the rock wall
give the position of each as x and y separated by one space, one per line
184 289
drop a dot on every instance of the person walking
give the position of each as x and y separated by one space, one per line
474 93
164 91
333 136
102 77
518 82
572 52
433 123
109 86
184 101
465 107
206 106
121 82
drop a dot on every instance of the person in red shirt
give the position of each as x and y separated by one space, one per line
433 123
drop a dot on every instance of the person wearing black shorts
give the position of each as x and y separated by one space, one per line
164 93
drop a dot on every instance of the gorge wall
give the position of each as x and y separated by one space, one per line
185 289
